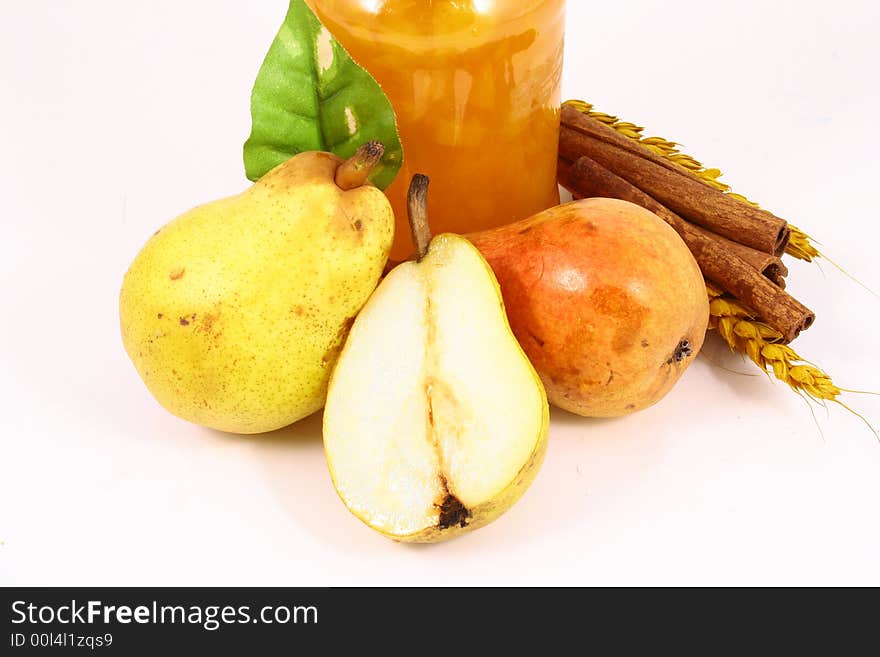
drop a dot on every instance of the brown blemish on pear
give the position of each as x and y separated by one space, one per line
625 312
335 347
206 324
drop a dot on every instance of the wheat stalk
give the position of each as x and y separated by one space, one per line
763 345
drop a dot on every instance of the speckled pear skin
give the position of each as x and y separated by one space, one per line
235 312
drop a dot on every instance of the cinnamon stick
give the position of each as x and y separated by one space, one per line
732 273
586 124
685 195
768 265
563 177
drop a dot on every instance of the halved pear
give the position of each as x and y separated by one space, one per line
436 422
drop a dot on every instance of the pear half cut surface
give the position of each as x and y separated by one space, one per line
436 421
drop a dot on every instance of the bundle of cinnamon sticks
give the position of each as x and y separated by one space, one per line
737 245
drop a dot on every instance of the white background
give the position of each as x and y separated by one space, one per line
117 116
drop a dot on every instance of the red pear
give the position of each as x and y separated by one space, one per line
606 300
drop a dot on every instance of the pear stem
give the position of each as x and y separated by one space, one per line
417 208
353 173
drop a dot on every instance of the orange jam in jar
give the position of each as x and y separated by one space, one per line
475 85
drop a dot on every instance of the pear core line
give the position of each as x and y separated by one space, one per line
452 511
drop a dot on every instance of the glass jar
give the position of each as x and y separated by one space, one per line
476 88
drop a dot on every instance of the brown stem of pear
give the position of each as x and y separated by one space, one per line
353 173
417 209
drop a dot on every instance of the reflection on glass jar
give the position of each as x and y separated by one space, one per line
475 85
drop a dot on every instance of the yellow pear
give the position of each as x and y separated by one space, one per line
436 422
235 312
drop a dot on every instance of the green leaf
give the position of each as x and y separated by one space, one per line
311 96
